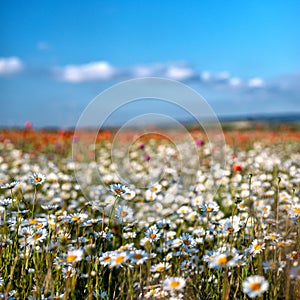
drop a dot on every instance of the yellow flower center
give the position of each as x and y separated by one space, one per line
71 258
119 259
209 209
186 242
255 286
75 218
32 222
160 268
222 260
174 284
123 248
107 259
257 247
296 210
137 256
152 235
230 229
118 191
294 256
123 213
37 236
37 179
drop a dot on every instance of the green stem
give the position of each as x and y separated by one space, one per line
277 202
34 201
112 210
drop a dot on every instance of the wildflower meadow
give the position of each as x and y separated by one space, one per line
233 233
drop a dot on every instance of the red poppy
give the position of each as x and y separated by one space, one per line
237 168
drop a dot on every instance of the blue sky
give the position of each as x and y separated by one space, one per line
56 56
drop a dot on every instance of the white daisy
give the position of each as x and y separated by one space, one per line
38 236
124 213
232 225
210 207
6 202
119 189
255 285
155 188
68 272
256 247
187 241
160 267
219 261
150 196
174 283
106 258
153 233
138 256
118 259
74 255
37 178
129 195
9 185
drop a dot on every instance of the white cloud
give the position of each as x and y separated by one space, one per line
256 82
172 71
223 76
142 71
9 65
148 70
179 72
100 70
205 76
103 70
235 82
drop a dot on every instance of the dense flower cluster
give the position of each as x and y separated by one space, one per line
233 232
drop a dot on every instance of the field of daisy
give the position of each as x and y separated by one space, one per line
233 233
